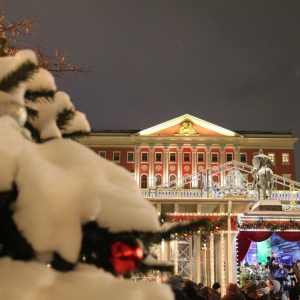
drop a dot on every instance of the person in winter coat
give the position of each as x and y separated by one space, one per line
199 286
273 265
275 290
250 291
205 291
232 288
296 270
291 285
233 296
215 292
263 285
263 294
190 289
176 283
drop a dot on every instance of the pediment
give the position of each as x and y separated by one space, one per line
186 125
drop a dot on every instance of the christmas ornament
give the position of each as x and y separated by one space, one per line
125 256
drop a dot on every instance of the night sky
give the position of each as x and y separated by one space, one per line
232 63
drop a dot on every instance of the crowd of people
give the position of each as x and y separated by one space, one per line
282 284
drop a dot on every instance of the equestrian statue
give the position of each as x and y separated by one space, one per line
263 177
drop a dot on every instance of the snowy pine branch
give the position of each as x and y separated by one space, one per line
22 73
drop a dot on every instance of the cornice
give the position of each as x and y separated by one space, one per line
100 140
97 140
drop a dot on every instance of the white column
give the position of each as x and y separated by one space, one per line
222 264
237 158
208 150
237 153
151 166
212 258
137 149
229 249
194 166
198 257
166 159
222 161
176 257
179 163
233 258
208 173
165 252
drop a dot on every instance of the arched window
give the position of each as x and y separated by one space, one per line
144 181
173 180
158 180
186 182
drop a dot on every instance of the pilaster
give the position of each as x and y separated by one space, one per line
222 161
237 153
151 166
194 165
208 151
166 158
137 149
179 163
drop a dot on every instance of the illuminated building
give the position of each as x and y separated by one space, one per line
190 168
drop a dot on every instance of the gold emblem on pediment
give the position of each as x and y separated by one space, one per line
187 128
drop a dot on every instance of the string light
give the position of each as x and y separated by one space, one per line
176 256
237 256
212 259
223 270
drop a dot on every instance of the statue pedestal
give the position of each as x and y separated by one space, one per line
267 205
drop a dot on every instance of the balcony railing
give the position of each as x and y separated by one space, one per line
234 183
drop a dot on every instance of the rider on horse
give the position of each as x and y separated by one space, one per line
262 169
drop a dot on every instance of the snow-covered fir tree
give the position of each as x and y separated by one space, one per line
72 224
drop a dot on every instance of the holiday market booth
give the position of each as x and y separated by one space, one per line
218 251
259 230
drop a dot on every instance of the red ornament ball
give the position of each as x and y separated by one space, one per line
125 256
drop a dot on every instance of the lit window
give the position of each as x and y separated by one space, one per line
102 154
173 181
243 157
158 180
272 157
172 156
229 156
144 181
285 158
116 156
186 156
214 157
200 157
158 156
144 156
130 157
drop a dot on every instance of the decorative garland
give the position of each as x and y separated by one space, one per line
214 226
269 225
206 227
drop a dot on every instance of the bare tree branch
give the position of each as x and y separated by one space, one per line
57 64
